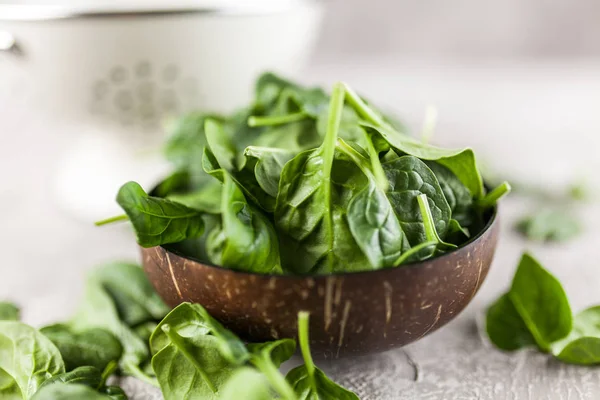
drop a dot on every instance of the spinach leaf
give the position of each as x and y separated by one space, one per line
549 224
245 239
541 302
269 163
248 384
457 234
87 375
312 203
371 217
308 381
158 221
535 307
27 359
268 357
458 196
185 146
9 311
245 179
98 310
207 199
193 354
505 327
63 391
131 292
93 347
582 346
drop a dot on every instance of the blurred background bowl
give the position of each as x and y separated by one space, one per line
110 73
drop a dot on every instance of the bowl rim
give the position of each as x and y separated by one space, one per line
492 220
16 12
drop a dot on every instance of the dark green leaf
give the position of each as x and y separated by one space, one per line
206 199
27 359
458 196
158 221
245 239
93 347
505 327
541 302
269 163
9 311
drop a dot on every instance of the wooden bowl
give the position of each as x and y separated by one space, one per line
351 313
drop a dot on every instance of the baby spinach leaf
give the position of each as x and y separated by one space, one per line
93 347
193 354
582 346
69 391
9 311
158 221
312 203
27 359
541 302
269 163
248 384
245 239
98 310
456 233
308 381
131 292
206 199
185 146
267 357
458 196
371 217
86 375
549 224
505 327
245 179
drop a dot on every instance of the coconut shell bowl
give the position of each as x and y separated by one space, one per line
351 313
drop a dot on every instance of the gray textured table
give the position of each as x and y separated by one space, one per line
499 110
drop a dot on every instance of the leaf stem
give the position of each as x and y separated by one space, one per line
179 343
111 220
275 377
356 157
412 251
378 171
430 231
490 199
362 108
256 121
303 317
108 371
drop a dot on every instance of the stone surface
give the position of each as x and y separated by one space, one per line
46 252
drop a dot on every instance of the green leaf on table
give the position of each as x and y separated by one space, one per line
552 225
9 311
156 220
92 347
27 359
505 327
194 355
541 302
308 381
582 346
248 384
268 357
536 303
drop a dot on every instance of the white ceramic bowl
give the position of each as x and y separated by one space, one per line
112 72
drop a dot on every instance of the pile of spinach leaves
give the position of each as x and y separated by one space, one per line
122 327
304 182
535 312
